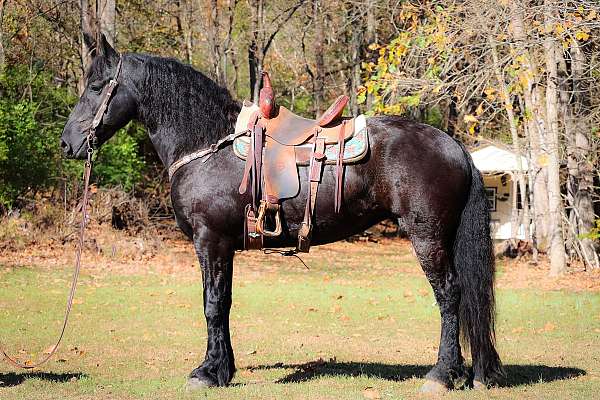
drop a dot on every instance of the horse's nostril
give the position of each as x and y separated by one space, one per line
65 147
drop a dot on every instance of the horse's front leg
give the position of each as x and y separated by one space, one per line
216 261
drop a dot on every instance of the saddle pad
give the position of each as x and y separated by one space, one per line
241 124
355 148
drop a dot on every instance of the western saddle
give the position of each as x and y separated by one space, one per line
278 142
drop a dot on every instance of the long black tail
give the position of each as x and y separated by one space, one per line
474 263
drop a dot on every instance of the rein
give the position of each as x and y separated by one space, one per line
91 140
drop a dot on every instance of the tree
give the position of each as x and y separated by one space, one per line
1 36
319 76
558 264
219 32
499 66
261 38
97 18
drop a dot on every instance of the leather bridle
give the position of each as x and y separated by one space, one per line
91 139
106 96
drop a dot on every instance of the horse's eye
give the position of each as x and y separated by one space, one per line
97 88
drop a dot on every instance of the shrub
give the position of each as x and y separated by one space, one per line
31 118
119 161
33 112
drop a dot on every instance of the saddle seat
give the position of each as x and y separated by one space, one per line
290 129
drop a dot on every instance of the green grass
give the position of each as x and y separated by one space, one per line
353 321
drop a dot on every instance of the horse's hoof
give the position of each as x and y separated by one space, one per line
477 385
194 384
433 387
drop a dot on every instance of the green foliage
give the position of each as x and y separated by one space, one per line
594 233
434 117
31 111
425 34
119 161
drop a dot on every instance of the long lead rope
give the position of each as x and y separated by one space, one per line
86 183
91 142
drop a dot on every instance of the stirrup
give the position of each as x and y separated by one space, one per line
260 220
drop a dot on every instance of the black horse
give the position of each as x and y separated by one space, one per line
414 173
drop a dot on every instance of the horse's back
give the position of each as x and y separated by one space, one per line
426 171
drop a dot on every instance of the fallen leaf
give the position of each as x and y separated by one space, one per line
344 318
518 329
371 393
549 327
424 292
249 353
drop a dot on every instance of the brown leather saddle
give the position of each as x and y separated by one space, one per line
278 142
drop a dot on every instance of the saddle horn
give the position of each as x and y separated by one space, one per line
266 98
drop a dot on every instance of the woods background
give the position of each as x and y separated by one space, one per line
524 74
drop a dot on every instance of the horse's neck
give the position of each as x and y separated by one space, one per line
179 128
165 143
176 137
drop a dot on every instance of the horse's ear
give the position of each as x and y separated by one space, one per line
106 48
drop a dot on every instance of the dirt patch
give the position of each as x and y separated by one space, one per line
112 251
524 274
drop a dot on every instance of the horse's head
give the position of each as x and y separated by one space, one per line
121 108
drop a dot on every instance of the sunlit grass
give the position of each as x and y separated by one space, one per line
325 333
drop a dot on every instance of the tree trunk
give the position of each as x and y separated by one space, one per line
106 13
370 37
514 133
319 78
355 59
226 47
558 264
2 57
212 36
85 20
236 72
575 101
255 68
185 28
535 131
254 57
262 36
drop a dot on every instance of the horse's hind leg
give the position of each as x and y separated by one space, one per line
435 258
216 261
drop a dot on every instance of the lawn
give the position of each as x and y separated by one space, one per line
360 323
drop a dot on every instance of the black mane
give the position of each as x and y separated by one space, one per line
177 96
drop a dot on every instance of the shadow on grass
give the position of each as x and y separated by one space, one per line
12 379
516 375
